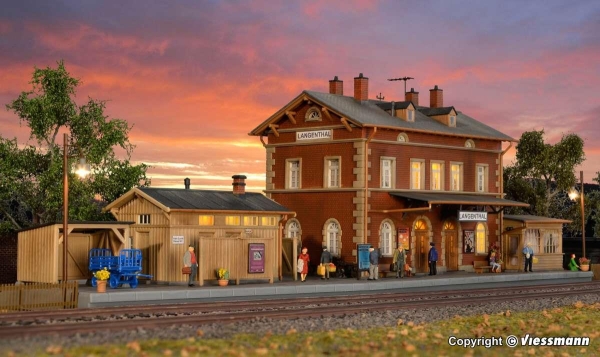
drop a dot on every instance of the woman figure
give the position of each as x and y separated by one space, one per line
493 262
306 259
573 264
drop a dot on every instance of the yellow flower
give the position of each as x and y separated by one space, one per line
223 274
103 274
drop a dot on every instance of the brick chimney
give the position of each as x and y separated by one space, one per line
412 96
361 87
436 97
186 183
239 184
336 86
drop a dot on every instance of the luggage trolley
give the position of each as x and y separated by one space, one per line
124 268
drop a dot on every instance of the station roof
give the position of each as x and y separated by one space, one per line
458 199
534 219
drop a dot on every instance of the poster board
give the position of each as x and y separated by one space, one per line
468 242
403 241
256 257
362 252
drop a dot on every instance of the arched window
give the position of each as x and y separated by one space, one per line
469 144
420 225
386 238
480 239
313 114
292 229
403 138
333 237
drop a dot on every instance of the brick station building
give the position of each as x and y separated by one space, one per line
358 170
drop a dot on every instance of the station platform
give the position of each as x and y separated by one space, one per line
315 286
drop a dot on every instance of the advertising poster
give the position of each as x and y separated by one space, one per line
403 238
363 256
469 239
256 257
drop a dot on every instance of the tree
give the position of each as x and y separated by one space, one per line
31 177
543 173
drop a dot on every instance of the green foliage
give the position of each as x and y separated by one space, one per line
543 173
31 189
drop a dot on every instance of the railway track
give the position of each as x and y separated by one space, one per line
82 321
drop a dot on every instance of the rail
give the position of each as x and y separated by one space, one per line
38 296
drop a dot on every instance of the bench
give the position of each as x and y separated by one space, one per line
480 266
384 270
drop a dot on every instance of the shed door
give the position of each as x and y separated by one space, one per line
451 246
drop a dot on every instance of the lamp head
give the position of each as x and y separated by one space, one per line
573 194
82 169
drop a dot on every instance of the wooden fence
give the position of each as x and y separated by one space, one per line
38 296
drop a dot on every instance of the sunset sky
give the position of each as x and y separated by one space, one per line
194 77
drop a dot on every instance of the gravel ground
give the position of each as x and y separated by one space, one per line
261 326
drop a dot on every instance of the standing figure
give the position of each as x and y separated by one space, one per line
494 262
399 261
373 264
433 257
528 253
326 261
306 259
573 264
189 260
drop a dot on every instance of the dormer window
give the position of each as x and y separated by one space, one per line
469 144
313 114
452 121
410 115
403 138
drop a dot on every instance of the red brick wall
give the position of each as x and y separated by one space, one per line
424 138
8 259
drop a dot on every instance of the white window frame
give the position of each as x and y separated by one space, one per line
481 233
551 242
470 144
388 175
421 181
210 220
293 229
410 115
332 237
293 176
460 176
402 137
144 218
432 175
481 177
386 238
452 121
332 178
533 237
313 110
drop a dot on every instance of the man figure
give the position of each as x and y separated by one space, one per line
326 260
399 261
373 264
189 260
528 253
433 257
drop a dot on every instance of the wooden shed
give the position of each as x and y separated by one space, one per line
543 233
220 225
40 252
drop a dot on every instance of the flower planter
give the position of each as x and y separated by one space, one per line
101 286
223 282
585 267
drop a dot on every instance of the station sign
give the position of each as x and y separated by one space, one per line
313 135
472 216
177 239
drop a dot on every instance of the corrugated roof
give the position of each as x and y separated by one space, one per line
450 198
536 219
212 200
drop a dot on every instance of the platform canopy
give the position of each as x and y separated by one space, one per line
458 199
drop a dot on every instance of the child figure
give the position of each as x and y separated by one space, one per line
572 264
493 262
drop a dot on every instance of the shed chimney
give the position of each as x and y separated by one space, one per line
336 86
186 182
239 184
412 96
436 97
361 87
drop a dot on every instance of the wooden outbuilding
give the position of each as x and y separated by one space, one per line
543 233
220 225
40 256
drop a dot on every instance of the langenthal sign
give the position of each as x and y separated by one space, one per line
313 135
472 216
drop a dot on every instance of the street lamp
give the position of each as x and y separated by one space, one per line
82 170
573 194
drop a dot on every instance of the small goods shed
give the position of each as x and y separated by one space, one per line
236 230
543 233
40 252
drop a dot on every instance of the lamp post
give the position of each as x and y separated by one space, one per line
573 196
83 169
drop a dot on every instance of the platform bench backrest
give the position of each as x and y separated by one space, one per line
480 266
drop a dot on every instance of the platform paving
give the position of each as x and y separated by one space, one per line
160 293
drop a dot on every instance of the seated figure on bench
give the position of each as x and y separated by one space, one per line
494 263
